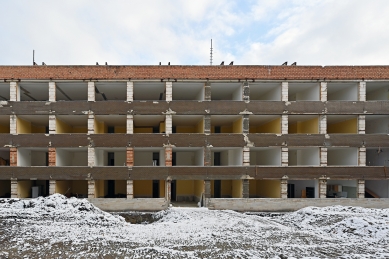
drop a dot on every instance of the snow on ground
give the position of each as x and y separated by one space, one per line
57 227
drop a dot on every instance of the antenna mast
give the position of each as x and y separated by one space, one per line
33 57
211 54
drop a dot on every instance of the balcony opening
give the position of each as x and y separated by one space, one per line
4 124
342 189
188 190
71 91
377 156
303 124
110 124
5 189
149 124
265 124
342 156
149 91
304 92
227 123
265 188
226 91
377 124
377 189
269 156
4 92
66 124
377 91
72 188
342 91
265 91
111 91
4 157
226 188
188 91
33 188
188 156
110 156
303 189
111 188
304 156
188 124
347 124
34 91
149 188
27 124
71 156
149 157
226 156
33 157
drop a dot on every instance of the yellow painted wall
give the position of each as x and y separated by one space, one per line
80 187
99 127
253 188
62 127
162 126
121 187
79 129
143 130
269 188
143 188
24 189
237 126
198 188
23 126
62 186
226 188
200 126
226 129
308 126
273 126
348 126
72 186
292 128
185 187
38 129
5 187
99 188
162 188
185 129
120 129
4 129
237 189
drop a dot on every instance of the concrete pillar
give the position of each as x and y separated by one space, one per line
361 124
52 156
207 91
169 91
207 156
284 92
284 187
52 124
14 92
130 91
246 92
14 187
130 156
207 124
246 188
13 124
246 156
362 156
169 124
284 156
130 189
284 124
91 124
246 124
91 156
322 188
52 184
91 189
130 124
361 188
323 91
168 190
168 156
52 92
323 156
322 124
362 91
91 92
207 192
13 156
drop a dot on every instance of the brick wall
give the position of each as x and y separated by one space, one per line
13 156
52 156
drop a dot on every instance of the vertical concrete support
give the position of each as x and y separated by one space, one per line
91 189
284 92
207 124
322 124
362 156
52 124
130 91
91 92
361 124
52 187
13 156
207 91
207 192
284 124
168 190
246 92
169 91
246 156
246 124
284 156
169 124
14 187
322 188
52 92
284 187
130 156
168 156
323 156
12 124
91 156
130 124
14 92
362 91
207 156
91 124
130 189
52 156
361 188
323 91
246 188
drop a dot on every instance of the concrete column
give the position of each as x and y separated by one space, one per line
52 124
246 92
207 192
91 124
168 190
130 189
169 91
207 91
169 124
322 188
361 188
52 184
284 92
284 156
246 188
284 187
246 156
130 156
207 156
14 187
207 124
91 92
322 124
130 124
52 92
91 189
362 93
52 156
323 91
246 124
130 91
361 124
323 156
91 156
168 156
13 156
13 124
362 156
14 92
284 124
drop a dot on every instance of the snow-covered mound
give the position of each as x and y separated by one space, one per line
57 207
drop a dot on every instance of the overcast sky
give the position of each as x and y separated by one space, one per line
75 32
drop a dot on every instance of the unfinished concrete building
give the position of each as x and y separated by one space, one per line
229 137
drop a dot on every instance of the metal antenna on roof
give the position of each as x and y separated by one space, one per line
33 57
211 54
